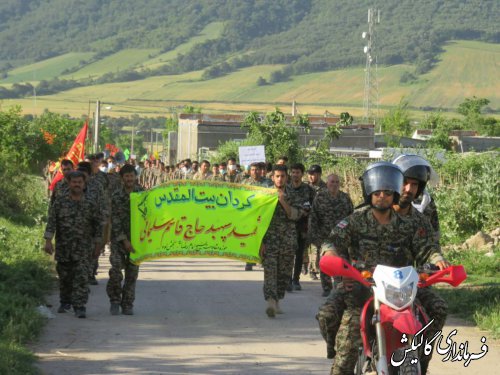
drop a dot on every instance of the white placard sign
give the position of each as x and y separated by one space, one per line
252 154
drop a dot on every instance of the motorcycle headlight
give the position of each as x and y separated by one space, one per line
398 296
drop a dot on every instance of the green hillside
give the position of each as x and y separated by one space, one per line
211 31
46 69
434 53
118 61
465 69
306 35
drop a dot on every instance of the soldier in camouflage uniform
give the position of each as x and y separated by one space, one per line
231 174
62 185
278 245
100 179
267 182
301 195
144 176
243 175
122 295
329 207
311 261
425 204
75 220
376 235
216 176
255 179
417 172
203 172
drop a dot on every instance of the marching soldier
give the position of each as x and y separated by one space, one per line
122 295
75 220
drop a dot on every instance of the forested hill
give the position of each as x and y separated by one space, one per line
307 35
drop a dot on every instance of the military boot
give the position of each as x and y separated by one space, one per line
64 307
278 308
80 312
127 310
271 308
114 309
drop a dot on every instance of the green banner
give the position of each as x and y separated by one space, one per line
190 218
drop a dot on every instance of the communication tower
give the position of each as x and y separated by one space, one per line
371 97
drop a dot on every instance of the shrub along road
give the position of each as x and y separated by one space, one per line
206 316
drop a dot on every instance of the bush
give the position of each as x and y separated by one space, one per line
468 196
261 81
25 279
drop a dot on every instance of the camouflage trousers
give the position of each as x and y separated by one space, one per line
278 266
73 282
299 256
329 317
348 338
315 254
93 265
118 293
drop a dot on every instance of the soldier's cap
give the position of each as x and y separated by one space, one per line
315 168
99 155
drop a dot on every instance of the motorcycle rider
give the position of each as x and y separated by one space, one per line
417 172
376 234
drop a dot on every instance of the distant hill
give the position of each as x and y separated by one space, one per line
306 35
464 69
239 52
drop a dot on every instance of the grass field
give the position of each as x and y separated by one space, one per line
46 69
465 69
211 31
111 64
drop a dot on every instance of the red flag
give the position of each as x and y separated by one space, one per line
75 154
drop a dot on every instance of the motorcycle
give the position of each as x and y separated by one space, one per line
392 319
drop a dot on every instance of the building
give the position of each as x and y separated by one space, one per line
199 133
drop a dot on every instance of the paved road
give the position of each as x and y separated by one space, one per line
204 316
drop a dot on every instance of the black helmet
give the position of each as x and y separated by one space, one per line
381 176
416 167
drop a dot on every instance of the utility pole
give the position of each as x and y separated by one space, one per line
371 96
132 141
156 142
96 126
151 141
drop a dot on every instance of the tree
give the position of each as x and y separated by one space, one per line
261 81
191 109
345 119
397 120
57 135
441 128
275 134
17 140
321 154
471 108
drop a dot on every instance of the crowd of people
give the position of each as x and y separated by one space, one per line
397 225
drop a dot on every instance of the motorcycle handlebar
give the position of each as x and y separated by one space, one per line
336 266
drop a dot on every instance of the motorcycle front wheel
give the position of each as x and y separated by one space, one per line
407 368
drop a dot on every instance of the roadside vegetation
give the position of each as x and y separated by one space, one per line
26 274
